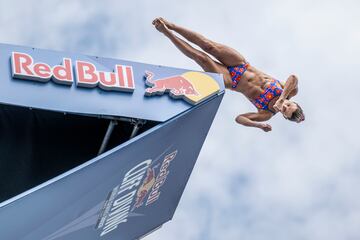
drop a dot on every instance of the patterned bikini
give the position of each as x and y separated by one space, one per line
236 73
273 90
262 101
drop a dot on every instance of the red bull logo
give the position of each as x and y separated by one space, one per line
145 188
140 185
87 75
149 190
117 207
193 87
161 178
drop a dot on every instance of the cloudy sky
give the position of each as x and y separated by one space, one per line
300 181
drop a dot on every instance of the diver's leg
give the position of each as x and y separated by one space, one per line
201 58
226 55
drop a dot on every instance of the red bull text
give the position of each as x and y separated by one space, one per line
24 67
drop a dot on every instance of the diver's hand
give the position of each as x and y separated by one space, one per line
278 105
265 127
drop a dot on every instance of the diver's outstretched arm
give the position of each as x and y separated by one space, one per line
255 119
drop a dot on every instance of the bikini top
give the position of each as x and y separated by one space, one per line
262 101
273 90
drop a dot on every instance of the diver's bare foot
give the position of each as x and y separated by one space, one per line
167 23
160 25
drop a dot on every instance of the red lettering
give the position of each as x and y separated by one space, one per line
86 73
21 64
42 70
122 79
129 76
107 83
63 74
119 70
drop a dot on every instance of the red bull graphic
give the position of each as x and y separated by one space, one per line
150 188
160 179
193 87
178 86
145 188
24 67
139 185
117 207
130 189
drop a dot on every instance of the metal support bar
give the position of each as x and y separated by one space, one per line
138 123
106 139
122 119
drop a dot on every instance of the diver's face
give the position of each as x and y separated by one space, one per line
288 108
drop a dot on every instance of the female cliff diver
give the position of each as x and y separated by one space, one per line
268 94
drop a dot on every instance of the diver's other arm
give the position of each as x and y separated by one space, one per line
290 90
255 119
